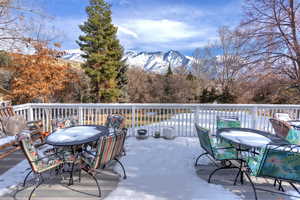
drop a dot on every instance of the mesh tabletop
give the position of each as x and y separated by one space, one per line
76 135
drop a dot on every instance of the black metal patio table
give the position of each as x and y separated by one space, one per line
248 140
75 137
294 123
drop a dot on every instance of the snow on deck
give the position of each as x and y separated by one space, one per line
160 169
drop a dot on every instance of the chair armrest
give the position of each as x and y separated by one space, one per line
33 125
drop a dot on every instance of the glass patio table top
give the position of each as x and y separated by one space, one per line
249 137
76 135
295 123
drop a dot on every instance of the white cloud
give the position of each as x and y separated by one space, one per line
163 30
126 31
163 34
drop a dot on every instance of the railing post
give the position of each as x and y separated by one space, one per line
133 120
80 113
196 115
30 113
253 117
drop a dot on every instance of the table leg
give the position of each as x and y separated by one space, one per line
71 182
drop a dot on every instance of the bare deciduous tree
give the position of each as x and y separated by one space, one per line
271 32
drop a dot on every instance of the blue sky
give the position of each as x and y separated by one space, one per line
151 25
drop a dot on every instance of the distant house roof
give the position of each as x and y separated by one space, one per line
3 91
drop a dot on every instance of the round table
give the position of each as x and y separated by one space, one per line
295 123
249 137
76 135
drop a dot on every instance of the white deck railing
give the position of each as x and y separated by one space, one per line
154 117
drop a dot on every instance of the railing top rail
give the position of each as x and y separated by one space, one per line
281 106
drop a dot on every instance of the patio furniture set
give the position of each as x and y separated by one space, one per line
72 148
253 152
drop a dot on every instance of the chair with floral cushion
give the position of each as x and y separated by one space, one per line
109 148
39 162
228 122
64 122
115 123
217 152
280 163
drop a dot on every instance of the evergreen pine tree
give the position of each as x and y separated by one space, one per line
169 71
190 77
103 53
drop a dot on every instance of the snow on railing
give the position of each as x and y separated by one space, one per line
154 117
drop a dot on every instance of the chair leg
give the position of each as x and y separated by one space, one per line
79 176
280 187
95 179
294 187
24 182
252 184
124 177
41 180
275 182
226 167
196 163
235 180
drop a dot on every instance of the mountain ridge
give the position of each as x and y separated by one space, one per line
157 61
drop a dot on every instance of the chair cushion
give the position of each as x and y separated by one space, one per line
254 162
13 125
293 136
223 150
64 123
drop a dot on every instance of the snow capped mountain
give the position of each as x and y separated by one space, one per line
73 54
157 62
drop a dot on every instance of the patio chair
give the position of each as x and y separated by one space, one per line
8 118
39 162
280 163
64 122
228 122
115 123
284 130
280 127
108 149
216 150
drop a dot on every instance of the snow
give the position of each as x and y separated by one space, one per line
72 134
294 123
7 139
247 138
282 116
159 169
13 177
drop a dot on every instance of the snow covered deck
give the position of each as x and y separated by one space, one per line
157 169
